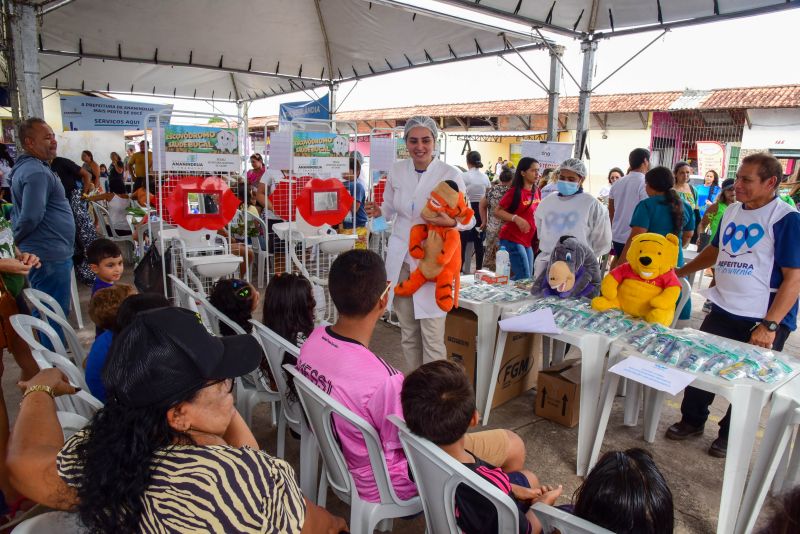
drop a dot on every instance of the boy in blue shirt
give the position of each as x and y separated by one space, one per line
359 195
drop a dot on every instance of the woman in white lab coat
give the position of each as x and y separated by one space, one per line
408 186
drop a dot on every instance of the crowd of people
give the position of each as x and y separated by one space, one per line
169 452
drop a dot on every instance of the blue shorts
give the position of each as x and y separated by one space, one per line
617 247
518 479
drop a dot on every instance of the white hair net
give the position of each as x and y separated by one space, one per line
575 165
421 120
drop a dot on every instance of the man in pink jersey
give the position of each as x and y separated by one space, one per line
338 360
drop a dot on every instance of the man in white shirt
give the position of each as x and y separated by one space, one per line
476 183
625 194
498 167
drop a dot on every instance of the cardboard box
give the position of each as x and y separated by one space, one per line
521 357
558 393
489 277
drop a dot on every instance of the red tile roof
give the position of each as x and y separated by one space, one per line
783 96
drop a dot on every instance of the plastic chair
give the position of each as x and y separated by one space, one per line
81 403
438 475
262 255
185 295
51 523
104 223
70 423
553 519
76 301
248 396
364 516
48 307
27 327
290 413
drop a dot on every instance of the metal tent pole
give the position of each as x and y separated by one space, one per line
553 93
588 48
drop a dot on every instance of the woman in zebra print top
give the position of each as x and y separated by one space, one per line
168 452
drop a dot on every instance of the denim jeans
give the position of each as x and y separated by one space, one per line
521 258
55 279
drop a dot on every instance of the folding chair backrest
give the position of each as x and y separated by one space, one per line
553 519
319 408
27 327
187 297
103 219
46 358
51 522
41 300
438 475
686 294
215 317
70 423
74 344
274 347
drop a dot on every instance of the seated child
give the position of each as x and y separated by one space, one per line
103 308
289 312
105 261
627 494
337 359
237 299
356 190
439 405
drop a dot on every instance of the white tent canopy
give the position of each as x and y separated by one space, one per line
580 18
244 50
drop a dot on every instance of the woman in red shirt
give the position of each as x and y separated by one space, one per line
516 208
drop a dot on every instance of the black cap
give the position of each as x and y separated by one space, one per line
727 183
474 159
167 352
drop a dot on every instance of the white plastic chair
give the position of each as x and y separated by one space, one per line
70 423
51 523
81 403
553 519
438 475
27 327
48 307
104 223
76 301
262 255
290 412
186 296
364 516
247 396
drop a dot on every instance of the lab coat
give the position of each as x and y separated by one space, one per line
405 196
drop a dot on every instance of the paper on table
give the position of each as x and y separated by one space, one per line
653 374
535 322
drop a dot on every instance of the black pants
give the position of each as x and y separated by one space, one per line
694 407
475 237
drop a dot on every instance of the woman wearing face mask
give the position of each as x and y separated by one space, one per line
408 185
571 212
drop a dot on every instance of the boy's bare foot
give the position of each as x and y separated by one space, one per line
550 494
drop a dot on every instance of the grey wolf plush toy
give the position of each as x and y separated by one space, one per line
572 271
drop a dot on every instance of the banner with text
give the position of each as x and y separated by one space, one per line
548 154
710 157
312 109
320 154
90 113
201 149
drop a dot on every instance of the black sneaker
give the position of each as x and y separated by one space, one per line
682 430
719 448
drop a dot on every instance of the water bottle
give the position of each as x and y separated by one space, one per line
503 264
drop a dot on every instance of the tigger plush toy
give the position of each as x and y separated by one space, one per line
438 248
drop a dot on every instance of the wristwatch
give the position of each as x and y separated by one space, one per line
772 326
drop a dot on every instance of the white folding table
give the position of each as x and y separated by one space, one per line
747 398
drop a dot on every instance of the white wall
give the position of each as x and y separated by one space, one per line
489 151
100 144
611 152
772 128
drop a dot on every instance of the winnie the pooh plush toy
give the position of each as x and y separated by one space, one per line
646 286
438 248
572 271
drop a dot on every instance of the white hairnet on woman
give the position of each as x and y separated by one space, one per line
408 185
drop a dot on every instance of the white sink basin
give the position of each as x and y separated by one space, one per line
216 266
336 244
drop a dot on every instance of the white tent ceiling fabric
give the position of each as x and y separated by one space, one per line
575 16
257 49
